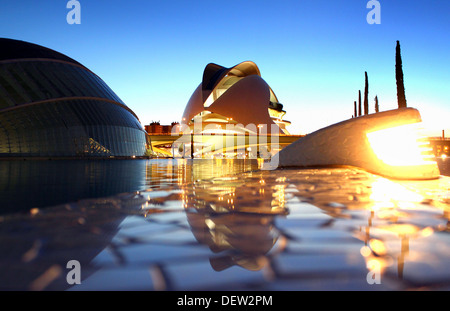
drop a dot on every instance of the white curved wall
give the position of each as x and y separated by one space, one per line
247 102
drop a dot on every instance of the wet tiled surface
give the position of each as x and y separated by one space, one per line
290 229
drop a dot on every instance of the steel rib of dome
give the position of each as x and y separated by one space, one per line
52 106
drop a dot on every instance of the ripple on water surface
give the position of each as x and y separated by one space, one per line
228 225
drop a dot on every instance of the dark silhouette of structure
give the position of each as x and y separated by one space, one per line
366 94
401 99
359 103
377 107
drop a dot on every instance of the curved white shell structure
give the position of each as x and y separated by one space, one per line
384 143
238 95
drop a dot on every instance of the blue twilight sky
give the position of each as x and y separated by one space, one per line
313 53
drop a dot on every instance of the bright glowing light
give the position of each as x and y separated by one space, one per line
428 231
402 229
378 247
385 143
365 251
401 146
385 191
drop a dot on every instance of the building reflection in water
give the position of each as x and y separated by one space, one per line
170 172
235 216
233 208
41 183
36 247
235 219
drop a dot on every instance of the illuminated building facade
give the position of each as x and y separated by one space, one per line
236 96
156 128
52 106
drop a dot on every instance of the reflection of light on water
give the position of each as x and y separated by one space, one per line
365 251
389 232
279 199
234 215
378 247
427 232
404 230
375 262
260 162
404 140
388 194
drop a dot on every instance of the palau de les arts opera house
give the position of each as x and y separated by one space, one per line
236 96
52 106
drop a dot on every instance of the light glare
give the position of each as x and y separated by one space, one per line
401 146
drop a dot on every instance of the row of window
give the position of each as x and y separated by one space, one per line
68 113
71 128
31 81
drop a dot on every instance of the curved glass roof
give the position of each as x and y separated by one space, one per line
31 74
16 49
52 106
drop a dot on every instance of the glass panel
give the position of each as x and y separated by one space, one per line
64 127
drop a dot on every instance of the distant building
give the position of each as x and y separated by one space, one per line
53 106
156 128
235 96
